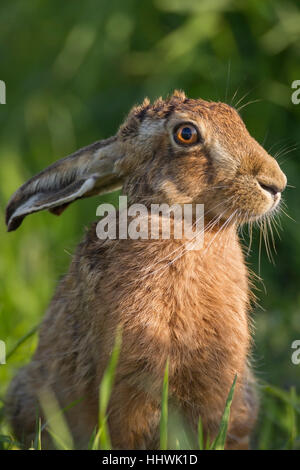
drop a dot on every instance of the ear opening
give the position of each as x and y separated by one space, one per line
85 173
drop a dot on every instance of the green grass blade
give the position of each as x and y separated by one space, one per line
219 442
38 436
92 439
56 424
21 341
59 442
200 435
95 444
102 438
282 395
292 422
164 411
6 442
207 442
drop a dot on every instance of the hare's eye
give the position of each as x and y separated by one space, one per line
186 134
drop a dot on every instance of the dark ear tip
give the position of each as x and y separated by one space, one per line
14 223
8 221
7 215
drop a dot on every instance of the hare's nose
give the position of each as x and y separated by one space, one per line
273 189
271 179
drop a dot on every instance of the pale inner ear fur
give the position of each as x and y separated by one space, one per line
87 172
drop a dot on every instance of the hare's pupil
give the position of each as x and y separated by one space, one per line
186 133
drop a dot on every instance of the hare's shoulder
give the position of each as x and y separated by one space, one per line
101 256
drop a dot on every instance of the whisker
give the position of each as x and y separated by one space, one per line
259 250
277 143
250 231
179 248
223 226
247 104
267 242
184 248
284 153
284 148
285 213
243 97
235 93
269 220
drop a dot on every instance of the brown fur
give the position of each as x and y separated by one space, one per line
194 310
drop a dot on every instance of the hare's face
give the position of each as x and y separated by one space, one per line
194 151
175 151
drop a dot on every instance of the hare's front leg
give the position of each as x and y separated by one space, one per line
22 408
133 419
243 414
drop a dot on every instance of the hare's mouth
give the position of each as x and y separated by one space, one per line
263 208
273 208
272 193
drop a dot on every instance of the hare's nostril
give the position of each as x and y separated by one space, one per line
271 188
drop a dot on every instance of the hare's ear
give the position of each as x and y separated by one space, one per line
89 171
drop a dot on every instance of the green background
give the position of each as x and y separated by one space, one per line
73 70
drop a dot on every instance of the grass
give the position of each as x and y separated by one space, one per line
164 411
219 442
281 404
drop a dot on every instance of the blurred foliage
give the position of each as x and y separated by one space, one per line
72 72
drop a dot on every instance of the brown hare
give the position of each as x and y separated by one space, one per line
188 306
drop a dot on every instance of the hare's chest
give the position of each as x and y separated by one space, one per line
192 312
209 333
210 292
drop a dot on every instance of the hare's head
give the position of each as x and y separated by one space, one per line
174 151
